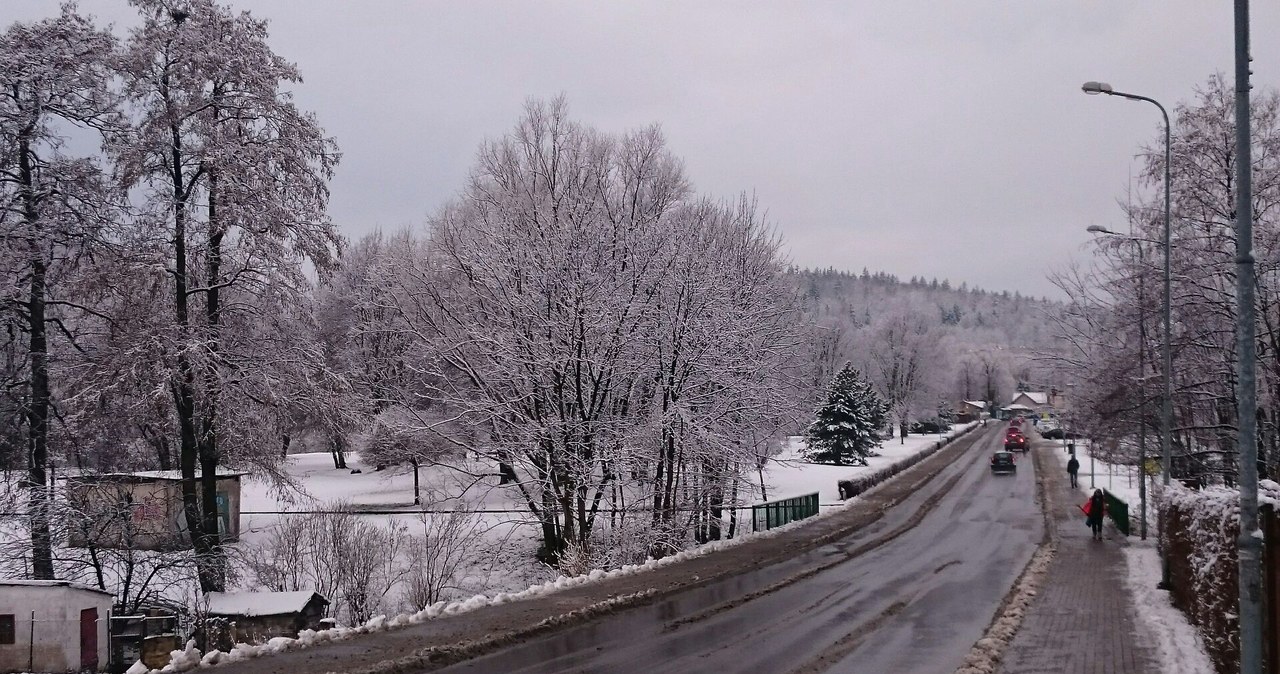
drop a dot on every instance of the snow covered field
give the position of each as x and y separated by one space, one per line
503 559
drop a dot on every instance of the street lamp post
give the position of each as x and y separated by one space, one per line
1166 403
1142 374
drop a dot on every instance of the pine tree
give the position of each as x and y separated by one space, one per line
844 431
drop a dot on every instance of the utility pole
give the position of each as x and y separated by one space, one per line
1250 546
1142 394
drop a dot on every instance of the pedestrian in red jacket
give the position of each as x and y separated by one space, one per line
1094 509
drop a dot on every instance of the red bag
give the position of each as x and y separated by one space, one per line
1088 505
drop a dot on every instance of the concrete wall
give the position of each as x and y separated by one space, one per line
57 627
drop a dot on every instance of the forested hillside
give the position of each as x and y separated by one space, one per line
926 343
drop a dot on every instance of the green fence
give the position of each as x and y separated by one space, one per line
777 513
1119 512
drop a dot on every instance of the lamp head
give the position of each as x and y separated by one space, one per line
1098 229
1094 88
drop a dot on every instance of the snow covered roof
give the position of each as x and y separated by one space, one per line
980 404
51 583
1037 397
154 475
259 603
1016 406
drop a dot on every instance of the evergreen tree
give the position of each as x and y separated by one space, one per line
844 431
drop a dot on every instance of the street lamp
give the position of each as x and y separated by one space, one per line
1142 372
1166 406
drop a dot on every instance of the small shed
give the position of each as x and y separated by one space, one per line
970 410
53 626
255 617
143 510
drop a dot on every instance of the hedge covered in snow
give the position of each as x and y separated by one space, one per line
1201 528
855 486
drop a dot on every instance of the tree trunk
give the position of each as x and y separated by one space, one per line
38 409
337 445
417 497
184 388
160 443
210 457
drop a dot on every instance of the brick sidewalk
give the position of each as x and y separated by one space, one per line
1083 621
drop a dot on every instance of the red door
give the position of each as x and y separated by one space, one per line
89 640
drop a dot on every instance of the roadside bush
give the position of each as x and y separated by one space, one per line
437 556
348 560
1201 527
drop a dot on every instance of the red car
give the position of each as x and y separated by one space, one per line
1015 440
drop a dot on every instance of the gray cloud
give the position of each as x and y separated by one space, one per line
945 139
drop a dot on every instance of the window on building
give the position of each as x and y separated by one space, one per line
6 629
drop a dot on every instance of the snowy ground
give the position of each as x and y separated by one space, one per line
505 557
1177 642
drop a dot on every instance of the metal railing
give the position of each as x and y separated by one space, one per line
777 513
1118 510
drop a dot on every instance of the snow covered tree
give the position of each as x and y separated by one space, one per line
54 75
903 349
603 335
846 429
234 183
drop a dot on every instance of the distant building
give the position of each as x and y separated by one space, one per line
970 410
1036 401
143 510
69 631
255 617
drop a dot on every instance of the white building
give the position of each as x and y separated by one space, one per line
69 632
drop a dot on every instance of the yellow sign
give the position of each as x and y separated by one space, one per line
1153 467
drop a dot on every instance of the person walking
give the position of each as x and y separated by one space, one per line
1094 509
1073 468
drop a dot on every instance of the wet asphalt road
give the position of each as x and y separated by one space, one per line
909 594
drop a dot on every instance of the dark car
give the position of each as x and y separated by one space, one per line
1015 441
1003 462
1059 434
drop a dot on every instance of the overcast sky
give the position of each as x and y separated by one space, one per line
943 139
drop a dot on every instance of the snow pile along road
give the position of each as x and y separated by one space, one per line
985 655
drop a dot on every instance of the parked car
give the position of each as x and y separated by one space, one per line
1003 462
1058 434
1015 441
930 426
